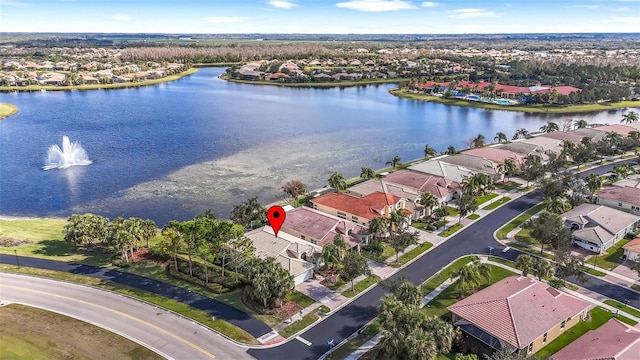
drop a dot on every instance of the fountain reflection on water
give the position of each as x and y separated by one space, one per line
71 154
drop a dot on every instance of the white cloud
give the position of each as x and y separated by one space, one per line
282 4
623 9
632 20
592 7
13 3
120 17
376 5
471 13
429 4
222 19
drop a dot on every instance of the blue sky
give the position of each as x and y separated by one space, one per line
320 16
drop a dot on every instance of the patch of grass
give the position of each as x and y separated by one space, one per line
372 328
473 217
502 261
508 186
420 226
25 337
502 233
599 316
361 286
611 259
593 271
628 309
337 285
450 230
551 109
293 329
234 298
531 250
524 236
495 204
452 211
348 347
635 287
408 256
484 198
200 316
325 309
440 223
7 110
300 299
383 256
437 279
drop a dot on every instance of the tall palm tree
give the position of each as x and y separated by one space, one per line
378 227
550 126
394 162
556 204
451 150
630 117
542 268
525 263
521 133
470 276
429 151
367 173
337 181
330 256
500 137
580 124
428 200
594 182
478 141
508 168
398 220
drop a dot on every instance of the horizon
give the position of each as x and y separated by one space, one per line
315 17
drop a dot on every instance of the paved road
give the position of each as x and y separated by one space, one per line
215 308
169 335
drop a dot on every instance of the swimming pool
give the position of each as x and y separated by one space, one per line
503 102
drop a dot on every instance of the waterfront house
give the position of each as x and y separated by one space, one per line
547 144
614 340
320 228
295 255
439 167
597 228
518 311
622 130
475 164
626 198
362 209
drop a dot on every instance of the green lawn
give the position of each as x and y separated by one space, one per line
593 271
300 299
502 261
502 233
628 309
325 309
450 230
612 258
437 279
420 226
361 285
497 203
337 285
599 316
293 329
484 198
383 256
200 316
234 298
531 250
417 251
452 211
524 236
473 217
508 186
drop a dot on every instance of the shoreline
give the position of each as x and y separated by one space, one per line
11 110
570 109
316 85
9 89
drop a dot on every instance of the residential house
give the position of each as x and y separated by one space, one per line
320 228
293 254
525 149
547 144
626 198
517 311
360 209
597 228
475 164
322 77
563 135
614 340
595 135
439 167
632 249
622 130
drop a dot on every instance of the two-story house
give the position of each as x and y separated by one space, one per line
360 209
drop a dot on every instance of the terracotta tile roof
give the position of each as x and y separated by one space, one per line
368 206
620 129
614 340
314 224
496 154
422 182
633 245
628 194
518 310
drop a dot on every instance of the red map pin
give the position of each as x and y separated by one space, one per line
276 216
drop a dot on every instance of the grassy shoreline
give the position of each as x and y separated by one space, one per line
7 110
538 109
317 85
98 86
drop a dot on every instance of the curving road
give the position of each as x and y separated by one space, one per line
169 335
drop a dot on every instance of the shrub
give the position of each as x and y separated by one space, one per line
556 283
213 286
120 263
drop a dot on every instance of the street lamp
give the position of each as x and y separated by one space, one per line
490 249
17 261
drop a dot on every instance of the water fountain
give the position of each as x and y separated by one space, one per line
71 154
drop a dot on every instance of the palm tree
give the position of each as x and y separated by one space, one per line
429 151
525 263
470 276
542 268
580 124
329 255
556 204
398 220
451 150
367 173
466 204
478 141
521 133
294 188
550 126
629 117
428 200
500 137
394 162
337 181
508 168
594 182
378 226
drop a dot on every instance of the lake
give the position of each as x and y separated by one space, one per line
173 150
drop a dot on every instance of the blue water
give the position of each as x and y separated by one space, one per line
503 102
176 149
